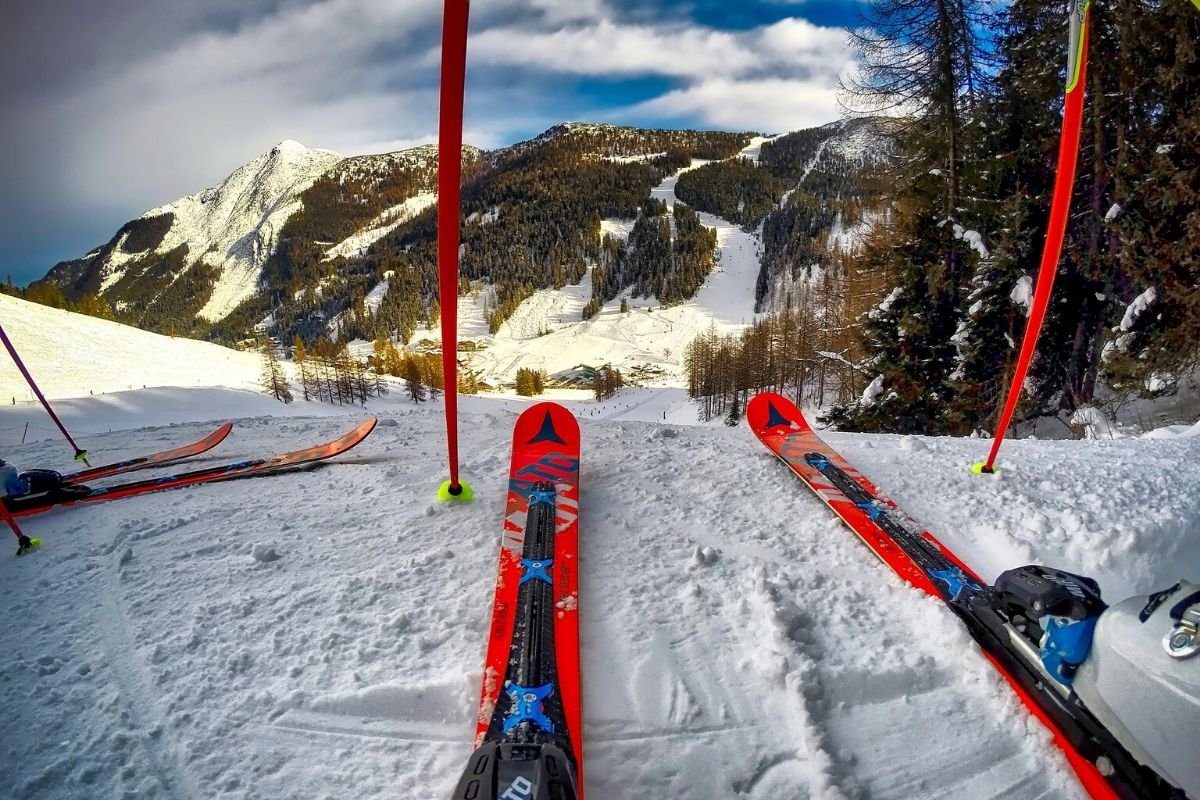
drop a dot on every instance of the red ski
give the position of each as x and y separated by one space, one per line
1103 766
154 459
784 430
528 733
71 493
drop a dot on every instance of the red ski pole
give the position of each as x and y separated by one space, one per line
1064 181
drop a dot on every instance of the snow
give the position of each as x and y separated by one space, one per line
1022 293
753 151
633 159
320 634
1174 431
873 390
374 298
234 225
1094 423
972 238
861 143
849 239
886 306
617 228
1138 307
72 355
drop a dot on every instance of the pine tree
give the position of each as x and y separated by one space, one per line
274 380
1159 209
412 380
734 416
607 382
928 57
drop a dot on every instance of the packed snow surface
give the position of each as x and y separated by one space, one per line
321 634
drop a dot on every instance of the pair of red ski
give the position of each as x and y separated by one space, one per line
529 726
72 489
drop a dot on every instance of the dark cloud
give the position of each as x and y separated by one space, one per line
114 107
54 44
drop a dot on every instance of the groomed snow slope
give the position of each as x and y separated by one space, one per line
547 330
320 635
72 355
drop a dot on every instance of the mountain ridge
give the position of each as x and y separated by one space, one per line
300 236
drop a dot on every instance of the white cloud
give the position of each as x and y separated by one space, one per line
608 48
771 105
776 77
189 116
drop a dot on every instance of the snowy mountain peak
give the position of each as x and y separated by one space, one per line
289 147
234 225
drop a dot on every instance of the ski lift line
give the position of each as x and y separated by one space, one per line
1064 179
80 453
450 134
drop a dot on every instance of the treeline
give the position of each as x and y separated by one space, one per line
800 352
534 222
530 382
49 294
796 247
328 373
608 382
959 249
735 190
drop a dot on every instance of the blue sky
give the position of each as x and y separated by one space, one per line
114 108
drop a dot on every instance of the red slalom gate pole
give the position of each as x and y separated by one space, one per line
80 453
1064 180
450 125
24 543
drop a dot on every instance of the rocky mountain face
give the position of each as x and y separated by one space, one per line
307 242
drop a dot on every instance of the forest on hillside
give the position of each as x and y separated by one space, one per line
530 220
927 316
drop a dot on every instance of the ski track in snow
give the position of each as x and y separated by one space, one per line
320 634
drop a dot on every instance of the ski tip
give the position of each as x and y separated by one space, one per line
769 410
983 469
448 493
